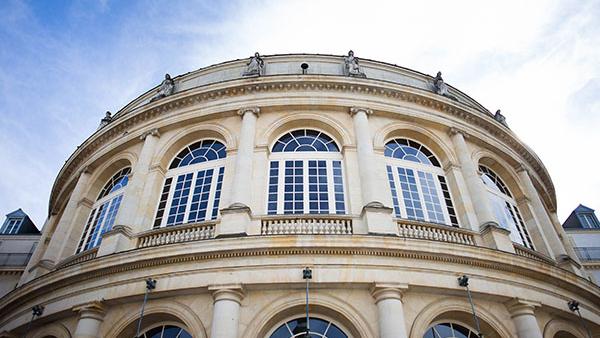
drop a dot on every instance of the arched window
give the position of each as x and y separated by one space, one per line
104 210
192 189
419 188
319 328
305 175
449 330
166 331
505 207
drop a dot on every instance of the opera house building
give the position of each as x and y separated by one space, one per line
303 196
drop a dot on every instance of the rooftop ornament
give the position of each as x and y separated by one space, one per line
500 118
255 67
167 87
441 88
106 120
351 66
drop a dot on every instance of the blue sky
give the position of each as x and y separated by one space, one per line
64 63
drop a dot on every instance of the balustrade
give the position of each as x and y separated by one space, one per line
306 225
176 234
435 232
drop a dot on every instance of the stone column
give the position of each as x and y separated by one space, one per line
463 204
390 312
493 235
71 222
376 215
533 226
127 222
523 316
546 225
91 316
226 310
236 217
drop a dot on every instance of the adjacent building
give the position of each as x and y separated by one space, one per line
18 239
583 229
226 183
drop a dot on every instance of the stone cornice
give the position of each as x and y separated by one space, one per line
283 83
373 246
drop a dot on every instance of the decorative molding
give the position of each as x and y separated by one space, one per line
142 114
119 229
493 226
236 208
567 260
515 264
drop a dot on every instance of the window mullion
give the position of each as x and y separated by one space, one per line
330 187
305 187
280 186
442 199
399 192
211 194
424 208
169 204
188 203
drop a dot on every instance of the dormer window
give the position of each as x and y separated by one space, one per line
11 226
589 221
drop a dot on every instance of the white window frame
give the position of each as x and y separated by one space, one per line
305 157
174 173
394 163
519 222
12 226
109 199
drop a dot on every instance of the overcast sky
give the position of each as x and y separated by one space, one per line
63 64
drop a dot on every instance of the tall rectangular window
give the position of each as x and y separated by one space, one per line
312 186
338 185
190 197
293 196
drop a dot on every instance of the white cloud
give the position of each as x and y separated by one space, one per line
535 60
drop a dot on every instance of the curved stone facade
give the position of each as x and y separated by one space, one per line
224 190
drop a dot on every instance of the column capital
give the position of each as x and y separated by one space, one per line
93 309
152 132
253 110
382 291
454 131
233 292
523 200
450 166
355 110
85 171
520 168
518 307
